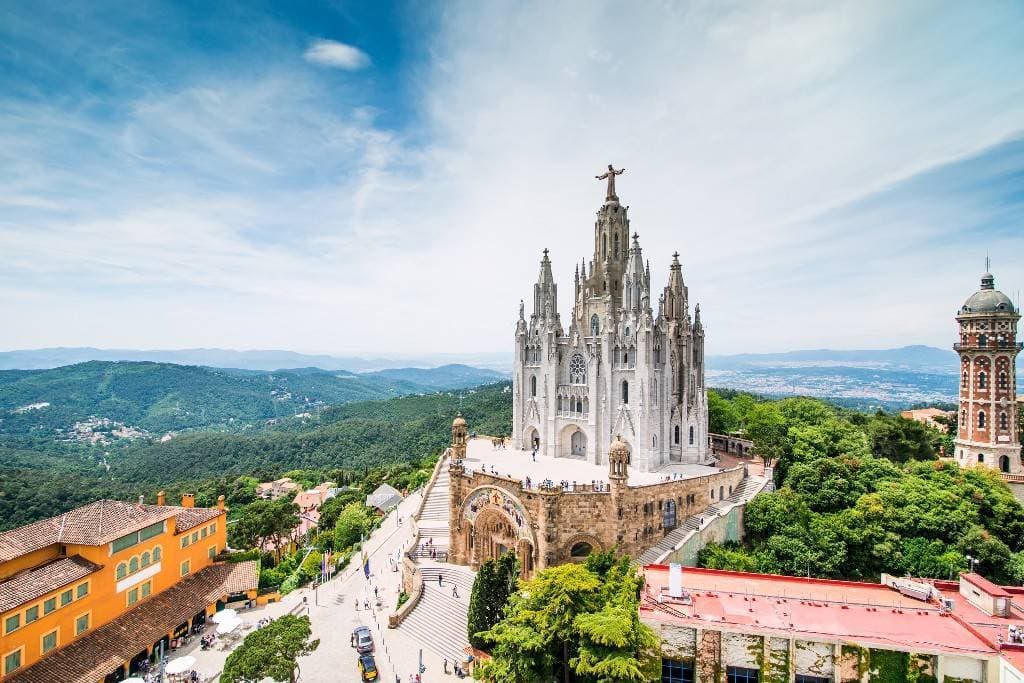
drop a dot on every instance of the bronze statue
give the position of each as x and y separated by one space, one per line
610 175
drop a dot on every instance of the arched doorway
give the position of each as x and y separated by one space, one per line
579 548
1004 463
578 444
494 522
531 439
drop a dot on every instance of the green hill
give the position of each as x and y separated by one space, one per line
161 397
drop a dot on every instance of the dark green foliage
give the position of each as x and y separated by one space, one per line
860 494
271 652
264 522
494 584
569 621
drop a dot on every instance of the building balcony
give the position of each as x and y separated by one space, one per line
988 347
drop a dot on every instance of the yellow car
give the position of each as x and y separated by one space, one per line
367 667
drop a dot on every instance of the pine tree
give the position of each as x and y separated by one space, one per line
479 616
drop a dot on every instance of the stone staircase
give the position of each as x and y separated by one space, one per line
742 494
433 519
439 621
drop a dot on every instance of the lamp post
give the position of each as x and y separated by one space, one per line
972 560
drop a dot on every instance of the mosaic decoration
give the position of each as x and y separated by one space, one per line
490 498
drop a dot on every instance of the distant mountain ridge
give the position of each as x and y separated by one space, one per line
161 397
41 359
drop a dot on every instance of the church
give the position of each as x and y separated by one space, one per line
618 370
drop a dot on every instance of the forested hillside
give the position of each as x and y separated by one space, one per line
161 397
41 477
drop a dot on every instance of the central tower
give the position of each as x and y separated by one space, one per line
618 369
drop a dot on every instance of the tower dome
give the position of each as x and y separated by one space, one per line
988 299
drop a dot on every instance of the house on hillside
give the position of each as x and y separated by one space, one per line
384 498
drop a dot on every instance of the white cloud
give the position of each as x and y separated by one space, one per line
338 55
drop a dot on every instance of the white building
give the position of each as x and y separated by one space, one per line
618 370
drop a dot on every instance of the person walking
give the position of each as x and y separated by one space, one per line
455 591
439 579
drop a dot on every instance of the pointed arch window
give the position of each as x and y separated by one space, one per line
595 325
981 419
1003 383
625 392
616 253
533 386
963 381
675 435
1003 421
691 435
577 369
604 245
982 380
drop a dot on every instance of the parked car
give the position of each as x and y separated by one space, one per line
367 668
362 640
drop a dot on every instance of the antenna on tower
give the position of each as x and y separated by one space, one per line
988 263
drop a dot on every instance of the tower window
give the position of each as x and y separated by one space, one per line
982 380
616 246
595 325
981 457
963 381
675 435
691 435
1002 380
625 392
982 340
981 419
604 245
533 386
1003 421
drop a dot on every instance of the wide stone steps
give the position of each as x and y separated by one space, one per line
438 622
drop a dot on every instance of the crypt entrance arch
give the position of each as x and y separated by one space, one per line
494 522
531 439
572 442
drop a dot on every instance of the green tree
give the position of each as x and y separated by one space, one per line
353 522
899 439
271 652
494 585
723 418
263 522
767 428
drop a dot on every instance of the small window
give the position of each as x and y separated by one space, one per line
133 596
82 590
1003 421
204 532
156 554
145 559
185 567
676 671
981 419
982 380
981 457
133 565
691 435
213 528
533 386
49 641
212 552
12 661
595 325
195 536
742 674
803 678
625 392
147 588
65 598
31 614
122 570
81 624
184 541
675 435
982 340
49 605
12 623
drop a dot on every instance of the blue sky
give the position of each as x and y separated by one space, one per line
366 177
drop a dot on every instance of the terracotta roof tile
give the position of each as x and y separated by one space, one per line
31 584
192 517
95 524
96 654
245 576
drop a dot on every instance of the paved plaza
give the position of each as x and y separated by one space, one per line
481 454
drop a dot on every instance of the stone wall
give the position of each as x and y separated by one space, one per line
727 527
628 516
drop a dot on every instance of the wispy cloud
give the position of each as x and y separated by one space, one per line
823 185
338 55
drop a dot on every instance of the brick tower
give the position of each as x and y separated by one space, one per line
988 348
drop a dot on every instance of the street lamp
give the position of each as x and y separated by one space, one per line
972 560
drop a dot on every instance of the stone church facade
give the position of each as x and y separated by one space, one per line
618 370
987 430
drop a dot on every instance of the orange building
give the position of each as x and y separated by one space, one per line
88 594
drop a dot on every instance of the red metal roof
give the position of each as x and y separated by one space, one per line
986 585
